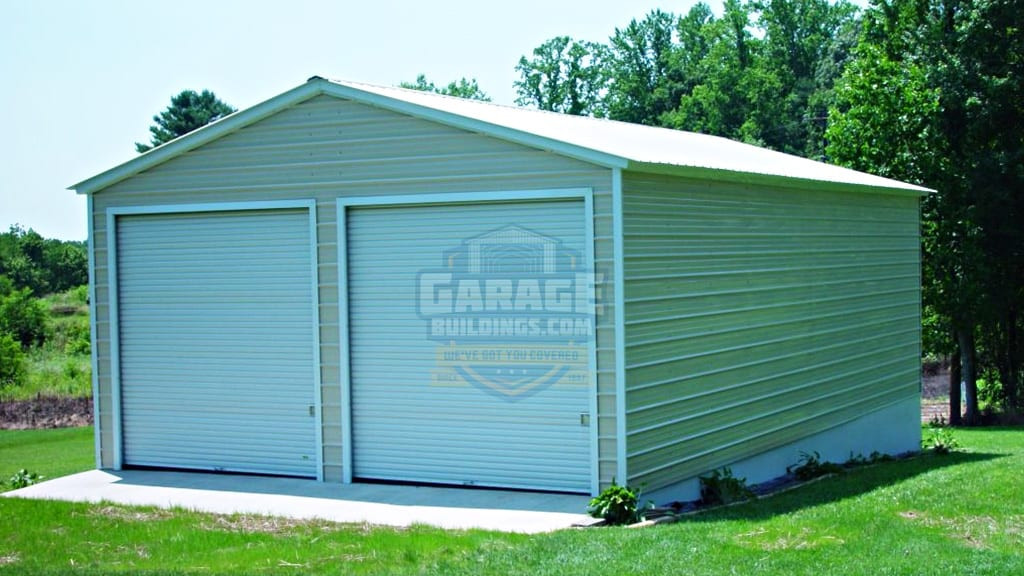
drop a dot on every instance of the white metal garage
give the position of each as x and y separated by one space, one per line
469 403
415 267
217 340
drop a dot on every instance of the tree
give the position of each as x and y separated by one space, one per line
12 361
23 317
934 95
188 111
564 75
641 65
42 265
720 102
461 88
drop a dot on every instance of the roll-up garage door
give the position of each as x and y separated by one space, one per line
468 333
217 341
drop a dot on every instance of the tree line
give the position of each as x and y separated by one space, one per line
924 91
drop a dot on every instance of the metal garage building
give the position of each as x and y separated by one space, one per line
350 282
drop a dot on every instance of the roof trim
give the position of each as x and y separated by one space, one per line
471 124
718 175
314 87
196 138
613 159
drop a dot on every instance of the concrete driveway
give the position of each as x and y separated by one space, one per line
389 505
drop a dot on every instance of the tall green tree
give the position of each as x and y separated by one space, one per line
461 88
564 75
797 38
720 102
188 111
644 79
934 96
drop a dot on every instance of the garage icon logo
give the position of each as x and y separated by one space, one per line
511 312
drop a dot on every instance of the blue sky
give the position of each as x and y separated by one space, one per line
82 80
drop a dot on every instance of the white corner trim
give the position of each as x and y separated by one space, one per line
621 469
115 339
93 339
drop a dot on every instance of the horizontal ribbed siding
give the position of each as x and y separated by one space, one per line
325 148
758 317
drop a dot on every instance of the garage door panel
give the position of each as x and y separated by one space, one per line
414 417
217 341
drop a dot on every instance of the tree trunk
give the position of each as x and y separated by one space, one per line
955 377
965 338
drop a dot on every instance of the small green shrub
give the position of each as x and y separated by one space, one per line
721 487
79 294
23 317
12 362
23 478
76 338
941 441
810 466
618 505
861 460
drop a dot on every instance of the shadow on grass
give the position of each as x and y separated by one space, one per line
852 483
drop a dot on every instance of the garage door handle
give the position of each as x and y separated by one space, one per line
312 410
585 419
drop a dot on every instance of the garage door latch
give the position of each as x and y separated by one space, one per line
585 419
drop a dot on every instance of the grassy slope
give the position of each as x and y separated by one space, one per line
61 365
959 514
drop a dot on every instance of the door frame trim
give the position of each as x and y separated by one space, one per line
112 215
506 196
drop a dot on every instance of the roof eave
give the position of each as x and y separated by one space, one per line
197 138
732 176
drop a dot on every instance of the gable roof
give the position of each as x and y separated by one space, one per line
602 142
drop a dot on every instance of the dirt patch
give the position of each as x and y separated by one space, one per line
256 524
45 412
130 514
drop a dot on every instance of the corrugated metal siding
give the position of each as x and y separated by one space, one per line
217 348
325 148
410 422
756 317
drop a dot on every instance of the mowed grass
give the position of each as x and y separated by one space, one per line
51 453
956 514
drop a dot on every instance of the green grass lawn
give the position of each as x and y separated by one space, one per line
956 514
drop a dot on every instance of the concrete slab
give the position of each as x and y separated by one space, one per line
390 505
